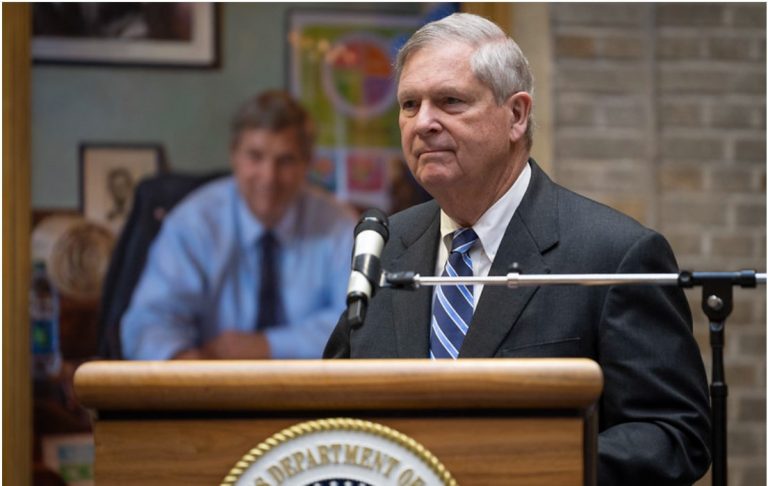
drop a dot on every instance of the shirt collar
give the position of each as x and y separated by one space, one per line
252 229
492 225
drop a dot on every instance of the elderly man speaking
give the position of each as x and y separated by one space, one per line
465 95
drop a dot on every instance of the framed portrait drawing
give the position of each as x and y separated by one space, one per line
139 34
109 174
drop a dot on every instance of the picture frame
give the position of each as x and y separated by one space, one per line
109 174
128 34
71 456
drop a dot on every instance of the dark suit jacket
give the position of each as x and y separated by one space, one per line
654 412
153 199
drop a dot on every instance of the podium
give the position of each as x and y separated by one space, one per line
488 422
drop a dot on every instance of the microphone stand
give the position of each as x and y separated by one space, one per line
716 301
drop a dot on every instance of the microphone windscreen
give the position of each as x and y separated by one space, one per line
374 220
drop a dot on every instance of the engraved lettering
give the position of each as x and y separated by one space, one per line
365 455
290 471
298 458
393 463
350 454
405 477
311 461
287 469
336 448
323 451
276 474
378 462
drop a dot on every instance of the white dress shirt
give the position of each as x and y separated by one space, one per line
490 230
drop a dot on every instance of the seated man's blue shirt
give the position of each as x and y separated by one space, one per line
202 275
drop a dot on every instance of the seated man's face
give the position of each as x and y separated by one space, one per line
270 168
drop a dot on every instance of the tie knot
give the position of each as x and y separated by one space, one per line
463 239
268 240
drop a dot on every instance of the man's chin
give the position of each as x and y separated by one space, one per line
439 157
434 176
268 215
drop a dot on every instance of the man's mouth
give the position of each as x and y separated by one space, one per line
432 151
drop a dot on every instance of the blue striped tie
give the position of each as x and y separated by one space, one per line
453 305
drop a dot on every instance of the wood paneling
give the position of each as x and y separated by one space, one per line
17 407
477 451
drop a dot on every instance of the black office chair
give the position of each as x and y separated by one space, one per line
153 199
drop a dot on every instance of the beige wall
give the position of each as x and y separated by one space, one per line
659 111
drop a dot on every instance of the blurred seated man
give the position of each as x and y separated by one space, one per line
250 266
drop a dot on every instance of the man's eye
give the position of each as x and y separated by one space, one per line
452 101
407 105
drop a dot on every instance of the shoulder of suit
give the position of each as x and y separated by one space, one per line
413 220
419 213
596 221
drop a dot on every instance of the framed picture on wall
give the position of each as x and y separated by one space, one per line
71 456
109 174
340 68
139 34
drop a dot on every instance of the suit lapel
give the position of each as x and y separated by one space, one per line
412 308
500 307
531 232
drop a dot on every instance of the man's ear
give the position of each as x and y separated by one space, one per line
519 105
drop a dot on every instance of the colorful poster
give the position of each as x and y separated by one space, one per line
342 70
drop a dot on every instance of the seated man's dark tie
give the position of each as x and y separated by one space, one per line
269 291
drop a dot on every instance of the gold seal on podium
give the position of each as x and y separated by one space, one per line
339 452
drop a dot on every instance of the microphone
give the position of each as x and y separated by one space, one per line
371 233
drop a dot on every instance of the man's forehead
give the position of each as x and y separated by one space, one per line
441 44
449 76
264 133
453 51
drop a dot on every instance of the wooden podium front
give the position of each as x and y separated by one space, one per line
489 422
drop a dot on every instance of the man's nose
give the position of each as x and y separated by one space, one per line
427 120
269 171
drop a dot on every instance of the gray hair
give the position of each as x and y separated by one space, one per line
497 61
274 110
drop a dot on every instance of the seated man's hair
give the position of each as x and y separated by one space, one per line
275 111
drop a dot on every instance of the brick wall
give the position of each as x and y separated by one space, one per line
659 111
